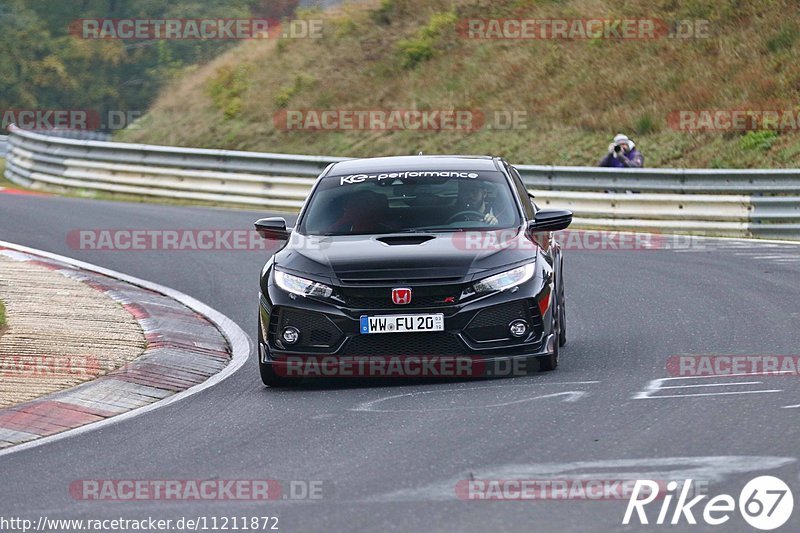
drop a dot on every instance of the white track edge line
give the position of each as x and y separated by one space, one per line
241 346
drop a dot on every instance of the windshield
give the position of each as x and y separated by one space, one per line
410 202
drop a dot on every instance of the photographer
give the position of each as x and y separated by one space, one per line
622 153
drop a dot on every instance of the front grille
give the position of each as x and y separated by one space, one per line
499 315
422 296
385 302
491 324
399 344
316 330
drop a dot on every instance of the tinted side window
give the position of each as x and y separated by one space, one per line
530 211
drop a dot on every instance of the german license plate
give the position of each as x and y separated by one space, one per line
402 323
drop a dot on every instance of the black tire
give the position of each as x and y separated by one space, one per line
550 362
268 375
562 314
271 379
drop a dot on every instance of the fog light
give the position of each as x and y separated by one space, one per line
290 335
518 328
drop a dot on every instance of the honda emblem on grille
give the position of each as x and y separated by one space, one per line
401 296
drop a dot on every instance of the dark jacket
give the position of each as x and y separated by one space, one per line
633 159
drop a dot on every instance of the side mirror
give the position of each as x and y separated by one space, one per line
550 220
273 228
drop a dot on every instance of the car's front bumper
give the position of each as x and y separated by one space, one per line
476 332
410 366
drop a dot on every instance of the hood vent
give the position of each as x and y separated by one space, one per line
405 240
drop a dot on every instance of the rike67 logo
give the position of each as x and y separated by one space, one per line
765 503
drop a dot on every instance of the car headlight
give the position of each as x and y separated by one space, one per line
504 280
301 286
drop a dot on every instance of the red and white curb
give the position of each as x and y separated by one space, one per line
190 347
4 190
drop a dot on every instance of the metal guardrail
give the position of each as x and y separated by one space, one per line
84 135
68 134
223 176
762 203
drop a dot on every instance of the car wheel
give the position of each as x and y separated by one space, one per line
268 375
550 362
562 312
271 379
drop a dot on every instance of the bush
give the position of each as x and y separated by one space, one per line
645 124
414 51
422 46
383 15
283 97
782 40
760 141
345 27
226 89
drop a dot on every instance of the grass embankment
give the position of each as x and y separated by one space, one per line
408 54
3 181
2 316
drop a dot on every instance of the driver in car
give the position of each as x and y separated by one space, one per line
473 201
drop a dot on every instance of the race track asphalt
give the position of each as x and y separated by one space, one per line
393 464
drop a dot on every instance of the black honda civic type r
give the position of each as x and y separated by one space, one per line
414 258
